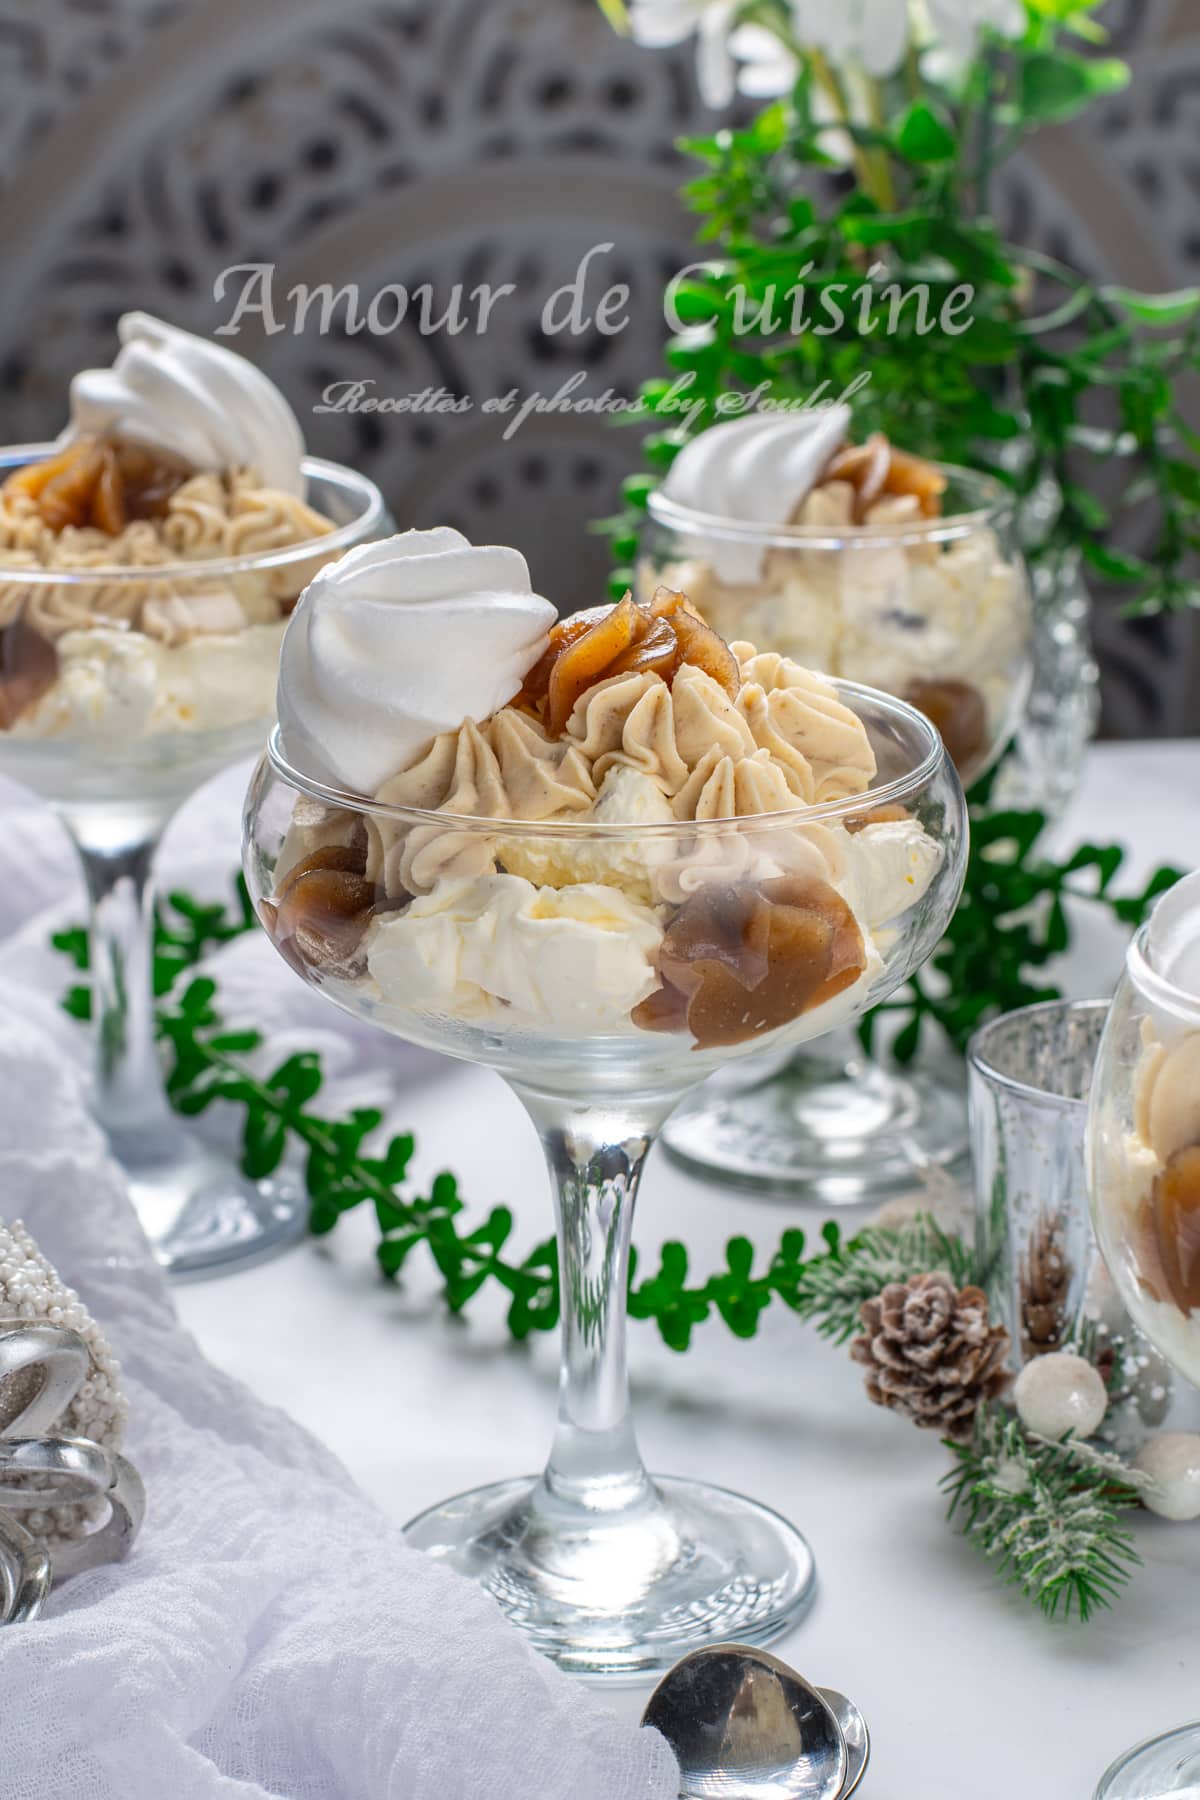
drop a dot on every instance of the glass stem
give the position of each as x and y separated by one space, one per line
130 1098
596 1155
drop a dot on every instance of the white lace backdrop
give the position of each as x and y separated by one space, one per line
147 144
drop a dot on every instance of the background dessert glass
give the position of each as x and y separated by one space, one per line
938 612
1144 1176
607 1571
114 792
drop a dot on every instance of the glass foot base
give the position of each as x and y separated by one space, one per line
626 1599
1166 1768
203 1216
836 1136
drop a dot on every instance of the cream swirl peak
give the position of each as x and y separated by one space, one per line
756 471
399 642
193 399
1174 937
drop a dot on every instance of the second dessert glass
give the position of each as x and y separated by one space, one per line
119 756
1144 1177
607 1570
937 611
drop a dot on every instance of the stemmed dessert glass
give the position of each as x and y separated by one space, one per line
607 1570
938 612
1144 1179
115 792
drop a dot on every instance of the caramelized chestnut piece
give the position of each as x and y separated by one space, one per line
1172 1232
877 468
739 961
879 815
101 483
590 658
614 640
28 666
958 711
322 909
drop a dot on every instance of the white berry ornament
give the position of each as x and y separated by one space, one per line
1058 1393
1172 1461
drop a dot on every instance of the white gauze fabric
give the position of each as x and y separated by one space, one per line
270 1635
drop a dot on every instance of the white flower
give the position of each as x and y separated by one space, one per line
729 56
873 33
956 24
660 22
868 35
657 23
766 67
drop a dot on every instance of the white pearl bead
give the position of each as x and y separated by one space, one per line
1172 1460
1059 1393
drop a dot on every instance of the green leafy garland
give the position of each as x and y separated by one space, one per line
1055 375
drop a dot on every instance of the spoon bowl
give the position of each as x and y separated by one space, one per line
744 1726
854 1731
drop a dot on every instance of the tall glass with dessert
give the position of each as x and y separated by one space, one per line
603 857
148 561
1144 1177
880 568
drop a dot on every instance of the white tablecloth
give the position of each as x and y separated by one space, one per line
969 1694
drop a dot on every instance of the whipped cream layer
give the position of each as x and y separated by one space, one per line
398 642
572 961
192 398
755 471
114 685
569 945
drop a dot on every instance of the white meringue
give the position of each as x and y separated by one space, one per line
192 398
398 642
755 471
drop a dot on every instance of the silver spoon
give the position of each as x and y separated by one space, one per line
744 1726
858 1738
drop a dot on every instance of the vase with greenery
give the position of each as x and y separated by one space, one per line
839 228
872 172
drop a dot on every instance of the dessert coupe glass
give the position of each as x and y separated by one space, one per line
115 794
607 1570
938 612
1144 1177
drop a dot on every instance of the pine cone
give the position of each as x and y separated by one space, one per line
1045 1277
931 1352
